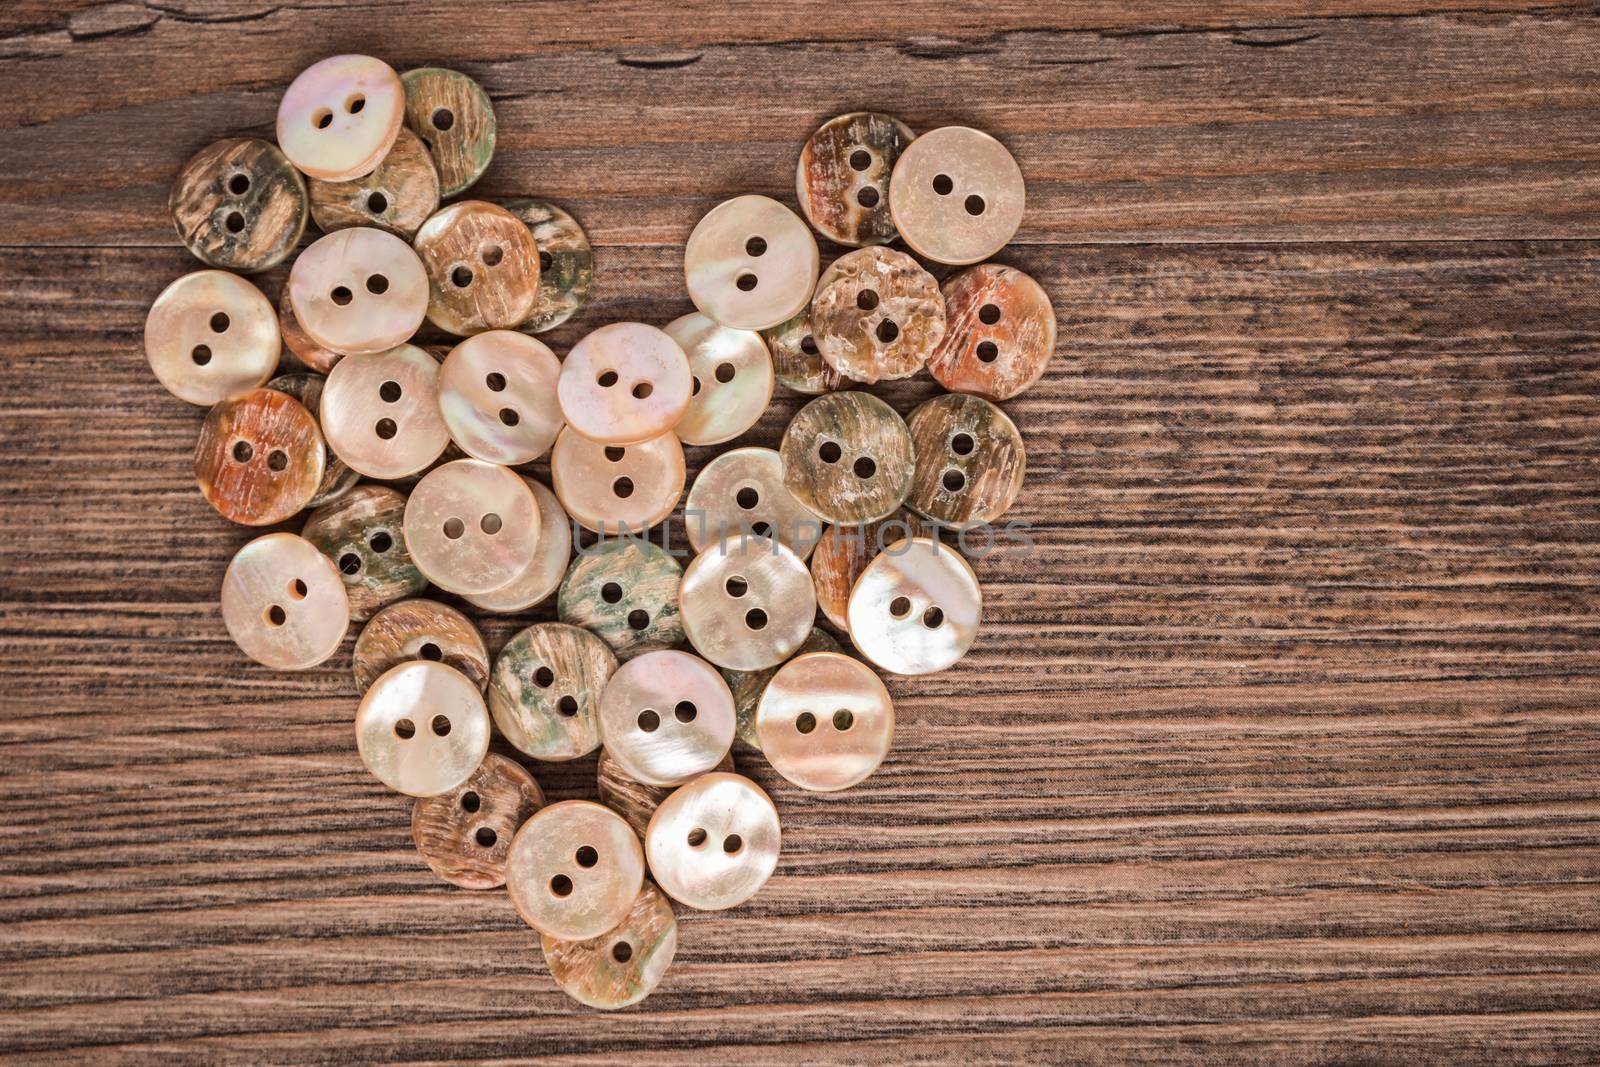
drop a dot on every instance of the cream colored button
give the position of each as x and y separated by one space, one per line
748 686
877 315
397 197
358 290
842 180
483 267
1002 332
747 603
419 630
732 379
848 457
626 591
624 383
631 798
623 965
465 834
566 263
339 117
211 335
970 461
422 728
497 392
825 721
283 602
260 458
666 717
380 412
615 489
545 696
542 576
742 491
471 526
575 870
915 609
750 263
715 842
956 195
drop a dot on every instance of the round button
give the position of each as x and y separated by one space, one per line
631 798
545 692
260 458
358 291
283 603
956 195
825 721
626 591
339 117
542 576
731 379
842 181
714 843
453 116
497 392
750 263
299 343
915 609
797 361
666 717
748 686
337 479
381 412
615 489
844 552
471 526
877 314
566 263
1001 334
623 965
211 335
483 267
422 630
397 197
624 383
422 728
970 460
239 204
575 870
747 603
847 457
742 491
464 834
361 533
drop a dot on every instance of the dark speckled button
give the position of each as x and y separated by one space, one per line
877 314
419 629
626 591
1000 334
970 460
483 267
260 458
239 204
566 263
398 196
360 532
847 457
545 691
842 180
796 359
465 834
453 116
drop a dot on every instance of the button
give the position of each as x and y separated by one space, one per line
842 181
748 686
542 576
747 603
970 460
732 379
360 532
615 489
465 833
797 361
359 290
575 870
453 116
299 343
1001 333
915 609
422 728
844 552
825 721
239 204
381 412
742 491
623 965
397 197
714 843
631 798
626 591
260 458
666 717
339 117
545 691
566 263
419 630
337 478
877 314
483 267
283 602
211 335
471 526
956 195
624 383
497 392
847 457
750 263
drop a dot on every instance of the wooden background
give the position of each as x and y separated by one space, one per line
1282 747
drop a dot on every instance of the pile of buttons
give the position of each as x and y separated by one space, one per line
412 465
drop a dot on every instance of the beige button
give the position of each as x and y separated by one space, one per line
545 693
497 392
471 526
750 263
715 842
915 609
452 113
339 117
847 456
1002 332
283 602
732 379
422 728
419 630
844 552
747 603
397 197
575 870
483 267
381 412
970 460
358 291
566 263
542 576
956 195
877 314
239 205
299 343
464 834
631 798
360 532
825 721
666 717
748 686
842 180
211 335
260 458
623 965
337 479
742 491
624 383
797 361
626 591
614 489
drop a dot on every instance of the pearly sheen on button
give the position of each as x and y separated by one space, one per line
631 798
877 314
545 692
797 361
337 479
732 379
748 686
358 291
825 721
1001 334
624 383
419 630
956 195
238 204
615 489
543 575
497 392
842 181
747 602
381 412
397 197
340 116
848 457
575 870
750 263
844 552
715 842
471 526
623 965
566 263
666 717
482 265
915 609
453 116
283 602
464 834
260 458
211 335
360 532
970 460
422 728
626 591
742 491
299 343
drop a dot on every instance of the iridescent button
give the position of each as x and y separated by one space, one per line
747 603
381 412
915 609
419 630
545 692
464 834
750 263
877 314
616 489
483 267
542 576
626 591
731 379
339 117
624 383
575 870
631 798
337 478
397 197
260 458
742 491
748 686
970 460
497 392
847 456
453 116
666 717
360 532
797 361
825 721
283 602
359 290
623 965
471 526
211 335
422 728
299 343
566 263
715 842
956 195
238 204
1001 333
844 552
842 180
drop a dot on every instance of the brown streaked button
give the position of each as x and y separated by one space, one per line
623 965
748 686
471 526
742 491
847 456
381 412
283 602
360 532
731 379
497 392
750 263
624 383
542 576
842 181
956 195
419 630
545 691
877 314
422 728
483 267
844 552
747 602
575 870
358 291
260 458
715 842
626 591
797 361
239 205
339 117
464 834
1001 332
615 489
970 460
211 335
631 798
299 343
453 116
566 263
666 717
337 479
825 721
916 607
397 197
